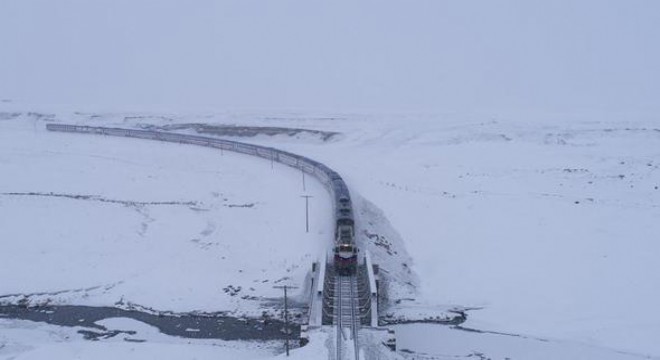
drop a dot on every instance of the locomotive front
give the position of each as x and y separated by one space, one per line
345 250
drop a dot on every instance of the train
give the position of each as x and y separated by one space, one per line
345 250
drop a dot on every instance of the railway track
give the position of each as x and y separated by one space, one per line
347 318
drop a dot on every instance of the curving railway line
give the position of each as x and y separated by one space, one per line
346 314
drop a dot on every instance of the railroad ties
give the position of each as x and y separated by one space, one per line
346 305
346 317
343 308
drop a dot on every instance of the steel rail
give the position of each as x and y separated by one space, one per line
354 318
345 311
339 314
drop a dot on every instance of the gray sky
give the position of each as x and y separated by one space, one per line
344 55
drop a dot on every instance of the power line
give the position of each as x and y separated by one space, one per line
286 314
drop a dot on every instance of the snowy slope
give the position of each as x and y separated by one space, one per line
166 226
545 231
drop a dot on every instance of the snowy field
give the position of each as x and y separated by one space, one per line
544 231
26 340
432 342
164 226
503 157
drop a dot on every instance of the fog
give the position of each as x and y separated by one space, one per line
493 57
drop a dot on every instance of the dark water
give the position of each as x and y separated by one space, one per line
207 326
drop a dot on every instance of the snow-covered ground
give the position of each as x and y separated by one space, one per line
429 342
529 199
541 230
546 228
27 340
178 228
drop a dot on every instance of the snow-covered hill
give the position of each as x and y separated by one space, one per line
539 231
101 220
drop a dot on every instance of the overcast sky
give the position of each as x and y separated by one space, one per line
342 55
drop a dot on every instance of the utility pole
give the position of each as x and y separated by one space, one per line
303 175
306 211
286 315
